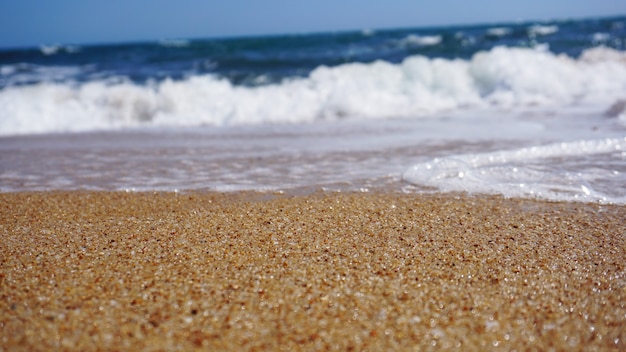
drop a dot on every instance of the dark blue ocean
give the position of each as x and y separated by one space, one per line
255 61
522 109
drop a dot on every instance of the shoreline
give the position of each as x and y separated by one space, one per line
322 271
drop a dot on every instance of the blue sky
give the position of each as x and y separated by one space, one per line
36 22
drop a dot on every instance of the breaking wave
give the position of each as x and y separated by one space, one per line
418 86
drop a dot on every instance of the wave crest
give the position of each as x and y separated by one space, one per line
418 86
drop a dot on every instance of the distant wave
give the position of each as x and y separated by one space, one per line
599 38
174 43
538 30
418 86
499 31
24 73
421 40
56 49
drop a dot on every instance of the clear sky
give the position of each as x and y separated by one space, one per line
36 22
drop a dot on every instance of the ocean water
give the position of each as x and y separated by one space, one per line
527 109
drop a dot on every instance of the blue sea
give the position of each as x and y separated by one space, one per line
524 109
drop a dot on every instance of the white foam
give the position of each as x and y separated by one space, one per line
174 43
421 40
527 172
537 30
513 77
599 38
501 78
17 74
56 48
499 31
603 54
49 49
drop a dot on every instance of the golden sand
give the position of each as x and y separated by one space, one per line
163 271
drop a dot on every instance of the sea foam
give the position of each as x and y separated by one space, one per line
421 40
528 172
538 30
417 87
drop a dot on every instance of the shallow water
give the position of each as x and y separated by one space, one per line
522 155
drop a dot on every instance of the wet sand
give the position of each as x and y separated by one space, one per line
166 271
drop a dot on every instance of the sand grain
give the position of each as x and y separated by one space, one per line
162 271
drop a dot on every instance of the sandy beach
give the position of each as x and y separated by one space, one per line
323 271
